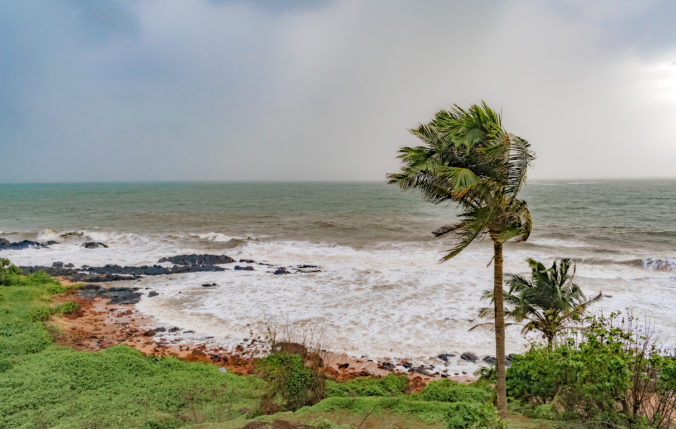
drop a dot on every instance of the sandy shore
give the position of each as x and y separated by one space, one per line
98 325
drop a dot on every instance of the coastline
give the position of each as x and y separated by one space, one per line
99 324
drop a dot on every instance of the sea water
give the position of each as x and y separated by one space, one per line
381 292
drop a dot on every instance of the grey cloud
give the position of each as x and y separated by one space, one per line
228 90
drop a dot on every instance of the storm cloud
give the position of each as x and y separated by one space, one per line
326 90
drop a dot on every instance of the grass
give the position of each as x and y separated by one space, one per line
44 384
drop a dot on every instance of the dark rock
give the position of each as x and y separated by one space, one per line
247 261
281 270
343 365
93 245
69 265
209 284
407 365
160 329
308 269
19 245
421 370
489 360
446 356
187 332
152 293
198 259
239 268
57 264
388 366
149 333
469 356
117 295
174 329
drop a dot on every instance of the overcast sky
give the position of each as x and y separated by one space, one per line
326 90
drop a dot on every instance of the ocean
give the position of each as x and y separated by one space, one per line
381 291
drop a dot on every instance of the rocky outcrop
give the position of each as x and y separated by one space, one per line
469 356
193 260
115 295
111 273
25 244
93 245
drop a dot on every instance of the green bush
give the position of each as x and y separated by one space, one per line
68 307
291 384
606 376
450 391
40 314
8 272
455 415
390 385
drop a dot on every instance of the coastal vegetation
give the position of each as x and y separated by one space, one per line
469 158
610 375
548 301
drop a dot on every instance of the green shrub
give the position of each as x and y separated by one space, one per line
450 391
68 307
609 375
8 272
455 415
291 384
390 385
40 314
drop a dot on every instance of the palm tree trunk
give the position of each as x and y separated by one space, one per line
499 330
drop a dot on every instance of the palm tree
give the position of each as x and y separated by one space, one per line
467 157
548 301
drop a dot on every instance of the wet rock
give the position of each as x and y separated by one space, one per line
198 259
174 329
209 284
152 293
388 366
469 356
446 356
19 245
57 264
69 265
111 272
240 268
305 268
117 295
93 245
247 261
407 365
281 270
149 333
160 329
489 360
188 332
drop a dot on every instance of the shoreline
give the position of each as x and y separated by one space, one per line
99 324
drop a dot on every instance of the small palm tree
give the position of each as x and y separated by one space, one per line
548 301
467 157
